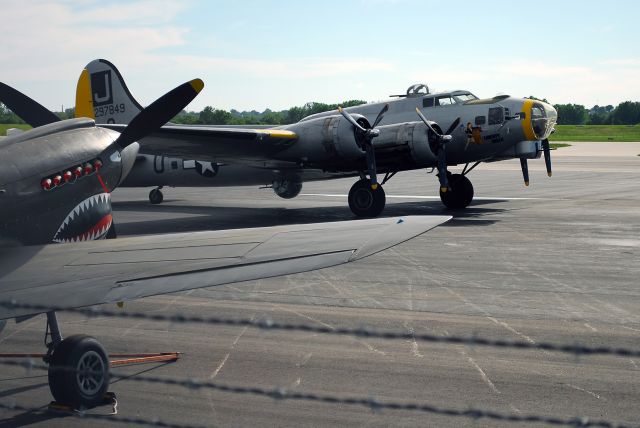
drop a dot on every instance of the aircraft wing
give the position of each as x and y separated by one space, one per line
96 272
214 143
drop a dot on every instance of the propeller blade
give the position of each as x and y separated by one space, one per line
442 170
160 112
426 122
351 119
380 115
371 165
547 155
26 108
453 126
525 170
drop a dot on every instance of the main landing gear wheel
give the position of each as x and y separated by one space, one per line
155 196
79 372
460 193
364 201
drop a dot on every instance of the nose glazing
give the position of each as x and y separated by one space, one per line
539 119
543 119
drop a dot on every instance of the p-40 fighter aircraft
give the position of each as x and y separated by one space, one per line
402 134
55 185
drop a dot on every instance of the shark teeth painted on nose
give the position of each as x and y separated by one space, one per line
87 221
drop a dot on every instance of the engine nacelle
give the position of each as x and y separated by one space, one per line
287 186
419 139
325 138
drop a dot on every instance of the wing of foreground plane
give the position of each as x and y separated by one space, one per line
96 272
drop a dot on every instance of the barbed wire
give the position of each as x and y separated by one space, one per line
368 402
576 349
154 422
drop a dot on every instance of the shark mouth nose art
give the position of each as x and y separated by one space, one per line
89 220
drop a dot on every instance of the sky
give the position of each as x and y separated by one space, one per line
278 54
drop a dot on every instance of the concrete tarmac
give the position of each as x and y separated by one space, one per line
556 262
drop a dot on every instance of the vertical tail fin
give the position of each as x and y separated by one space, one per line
101 94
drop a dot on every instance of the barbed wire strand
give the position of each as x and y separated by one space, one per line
576 349
369 402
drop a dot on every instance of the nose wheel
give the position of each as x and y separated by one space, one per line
459 194
365 201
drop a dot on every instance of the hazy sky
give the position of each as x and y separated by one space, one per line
276 54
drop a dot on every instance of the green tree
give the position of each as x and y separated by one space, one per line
627 113
571 114
295 114
206 115
7 116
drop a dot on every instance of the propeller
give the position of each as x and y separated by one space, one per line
160 112
525 170
26 108
366 136
443 139
547 155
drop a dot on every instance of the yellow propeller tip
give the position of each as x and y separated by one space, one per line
374 186
340 109
120 305
443 189
526 183
549 174
197 85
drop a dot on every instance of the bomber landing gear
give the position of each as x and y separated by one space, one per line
365 201
460 192
155 196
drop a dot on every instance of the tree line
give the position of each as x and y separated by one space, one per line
626 113
213 116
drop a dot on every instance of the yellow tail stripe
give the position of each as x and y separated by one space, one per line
84 100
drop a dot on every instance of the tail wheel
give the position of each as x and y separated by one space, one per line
155 196
79 372
364 201
460 192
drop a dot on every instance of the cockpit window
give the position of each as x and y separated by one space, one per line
444 101
447 100
461 98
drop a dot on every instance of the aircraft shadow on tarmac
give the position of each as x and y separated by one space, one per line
220 218
29 417
36 415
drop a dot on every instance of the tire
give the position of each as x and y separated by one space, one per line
111 234
460 194
364 201
156 197
69 382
